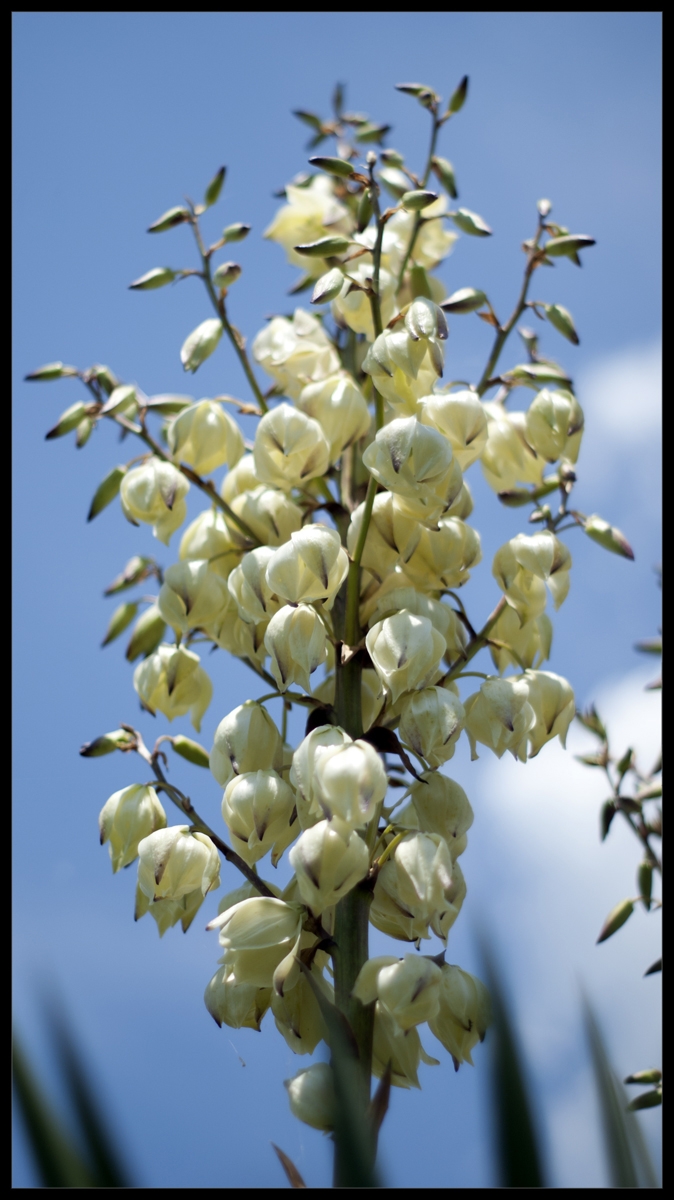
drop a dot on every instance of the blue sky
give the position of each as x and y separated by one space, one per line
116 117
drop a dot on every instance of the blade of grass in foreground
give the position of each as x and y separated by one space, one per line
58 1163
628 1159
519 1157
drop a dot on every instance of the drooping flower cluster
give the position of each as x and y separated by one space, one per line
328 560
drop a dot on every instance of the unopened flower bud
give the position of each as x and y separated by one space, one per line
236 232
352 304
464 1013
297 643
415 462
444 556
172 681
607 535
208 538
191 596
201 343
430 723
255 599
226 274
329 860
425 320
147 634
239 1005
507 458
290 448
554 705
155 493
408 988
311 1094
311 566
128 817
246 740
553 421
500 717
174 862
399 1054
68 421
328 286
295 352
406 651
205 437
257 807
257 935
340 409
470 222
460 416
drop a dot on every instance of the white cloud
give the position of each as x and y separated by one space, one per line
622 394
537 826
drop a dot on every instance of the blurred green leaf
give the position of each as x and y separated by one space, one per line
518 1152
629 1163
58 1163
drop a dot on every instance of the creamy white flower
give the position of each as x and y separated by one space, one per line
311 1093
415 462
209 538
507 458
340 409
255 600
460 416
257 936
191 596
406 652
408 988
257 808
554 425
239 1005
329 860
172 681
500 716
174 862
126 818
312 212
464 1013
295 353
205 437
155 493
297 642
352 304
311 566
290 448
444 556
430 723
269 513
392 535
554 705
246 740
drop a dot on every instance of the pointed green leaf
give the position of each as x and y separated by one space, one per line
58 1162
333 166
616 919
215 187
120 619
137 569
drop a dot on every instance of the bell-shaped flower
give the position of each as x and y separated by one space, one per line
430 723
255 599
257 808
352 305
166 912
128 817
406 651
311 212
500 717
554 705
209 538
297 643
311 566
246 740
401 1053
297 1013
461 418
554 424
269 513
415 462
391 536
371 695
349 782
507 458
295 353
241 638
240 478
444 556
311 1094
515 645
239 1005
290 448
205 437
408 988
340 409
464 1013
257 936
174 862
441 806
329 860
442 617
524 564
463 505
171 681
303 772
389 914
155 494
402 369
191 596
420 880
